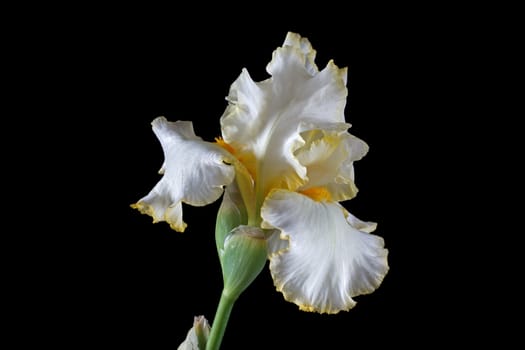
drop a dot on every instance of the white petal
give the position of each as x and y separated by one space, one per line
263 121
328 156
328 260
194 172
305 59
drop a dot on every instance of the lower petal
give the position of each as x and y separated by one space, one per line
159 206
194 172
330 258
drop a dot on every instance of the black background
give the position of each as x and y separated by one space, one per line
111 277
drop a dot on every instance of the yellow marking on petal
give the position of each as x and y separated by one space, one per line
244 177
220 141
279 286
145 209
307 308
148 210
319 194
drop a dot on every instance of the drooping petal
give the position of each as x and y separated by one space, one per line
328 155
331 255
263 121
195 173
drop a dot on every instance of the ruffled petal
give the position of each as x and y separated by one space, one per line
263 121
195 173
328 155
331 256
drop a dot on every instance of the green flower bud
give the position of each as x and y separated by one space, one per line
232 213
243 258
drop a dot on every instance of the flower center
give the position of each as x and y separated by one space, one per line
220 141
319 194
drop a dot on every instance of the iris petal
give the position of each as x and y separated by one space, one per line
264 120
194 172
328 156
331 256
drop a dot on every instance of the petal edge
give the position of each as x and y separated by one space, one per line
328 261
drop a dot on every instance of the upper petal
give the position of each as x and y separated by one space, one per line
194 172
331 255
328 155
263 121
306 58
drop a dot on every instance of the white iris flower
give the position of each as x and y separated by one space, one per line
286 157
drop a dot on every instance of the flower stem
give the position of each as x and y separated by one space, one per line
220 321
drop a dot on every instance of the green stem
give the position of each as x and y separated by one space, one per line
219 322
